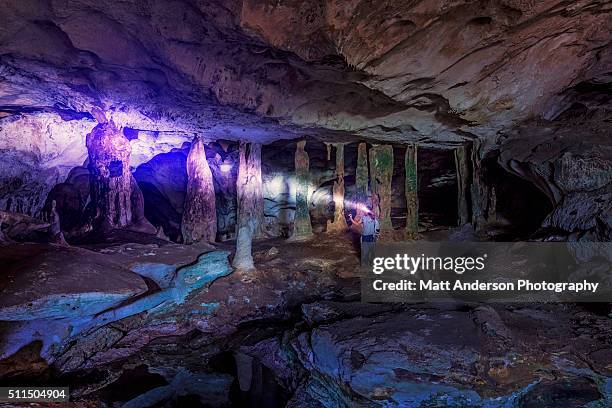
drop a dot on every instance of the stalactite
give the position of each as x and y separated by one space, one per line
412 199
339 222
199 216
109 165
328 146
381 172
361 174
462 169
250 203
301 223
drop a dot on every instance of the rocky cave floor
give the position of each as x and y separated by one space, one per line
187 331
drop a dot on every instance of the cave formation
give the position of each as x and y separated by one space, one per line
178 181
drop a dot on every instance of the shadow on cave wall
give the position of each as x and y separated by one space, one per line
163 181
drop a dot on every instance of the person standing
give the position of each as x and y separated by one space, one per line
366 224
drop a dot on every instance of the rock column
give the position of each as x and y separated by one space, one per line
250 203
412 199
339 223
462 168
361 174
109 165
381 172
301 222
199 215
479 190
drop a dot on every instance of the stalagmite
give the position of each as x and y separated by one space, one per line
199 216
461 165
412 199
361 174
3 238
244 371
381 172
109 165
301 223
56 236
250 203
139 222
339 223
492 205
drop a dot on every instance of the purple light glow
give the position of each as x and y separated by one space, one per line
225 167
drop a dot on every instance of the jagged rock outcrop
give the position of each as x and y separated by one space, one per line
37 152
575 172
19 227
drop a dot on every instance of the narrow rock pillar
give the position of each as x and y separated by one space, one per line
56 236
199 215
361 174
109 165
412 199
462 169
479 190
301 223
244 371
249 193
381 172
339 223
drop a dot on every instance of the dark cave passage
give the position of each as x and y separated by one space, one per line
519 207
163 182
437 187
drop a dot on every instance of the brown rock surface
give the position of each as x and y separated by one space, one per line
68 282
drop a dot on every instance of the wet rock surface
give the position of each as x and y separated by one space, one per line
47 281
223 340
454 356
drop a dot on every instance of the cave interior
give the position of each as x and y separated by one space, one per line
178 180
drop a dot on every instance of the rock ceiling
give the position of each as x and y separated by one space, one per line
435 71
